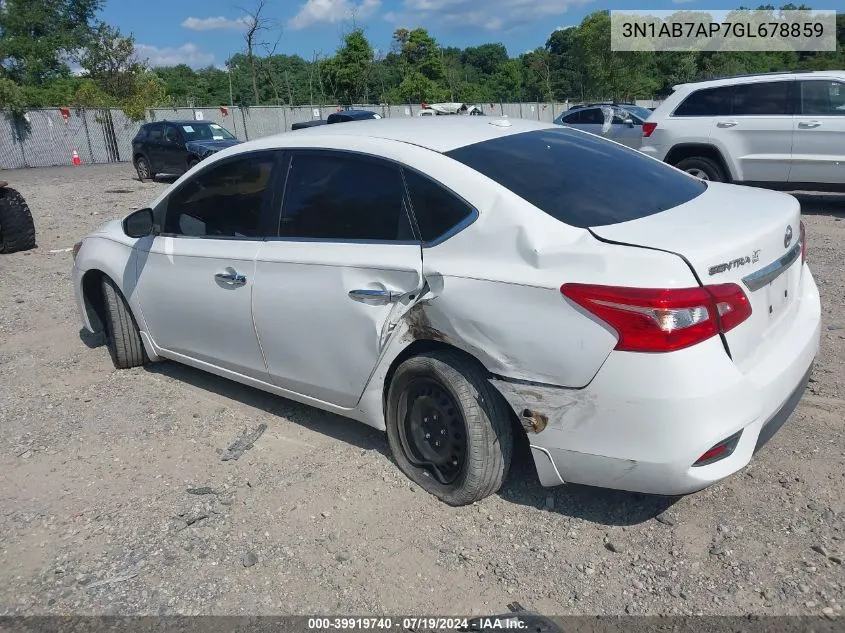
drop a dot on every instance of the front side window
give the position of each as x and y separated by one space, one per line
578 178
224 200
707 102
770 97
344 197
436 209
826 98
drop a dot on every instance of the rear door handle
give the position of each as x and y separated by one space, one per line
809 124
375 296
725 123
231 277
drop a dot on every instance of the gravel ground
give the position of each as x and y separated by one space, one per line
114 498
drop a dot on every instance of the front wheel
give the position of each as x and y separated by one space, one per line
124 338
448 428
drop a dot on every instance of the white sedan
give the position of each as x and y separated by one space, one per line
456 281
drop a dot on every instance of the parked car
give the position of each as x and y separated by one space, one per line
620 122
778 129
17 230
449 282
174 147
340 116
439 109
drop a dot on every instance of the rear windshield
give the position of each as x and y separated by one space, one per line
579 178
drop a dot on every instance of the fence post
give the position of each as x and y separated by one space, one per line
88 135
243 118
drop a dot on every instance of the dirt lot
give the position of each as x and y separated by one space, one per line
95 467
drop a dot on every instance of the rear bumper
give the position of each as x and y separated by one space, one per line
645 419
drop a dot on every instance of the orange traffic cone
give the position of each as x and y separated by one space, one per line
76 160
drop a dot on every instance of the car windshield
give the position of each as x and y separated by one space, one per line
638 111
205 132
579 178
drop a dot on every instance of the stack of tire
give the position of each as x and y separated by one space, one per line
17 231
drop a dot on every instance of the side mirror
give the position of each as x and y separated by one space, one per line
629 122
139 224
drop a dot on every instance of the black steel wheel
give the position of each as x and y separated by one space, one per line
448 428
432 430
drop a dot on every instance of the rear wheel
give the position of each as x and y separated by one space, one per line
124 338
17 230
448 428
701 167
142 166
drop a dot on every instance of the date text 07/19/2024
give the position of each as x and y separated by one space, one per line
415 623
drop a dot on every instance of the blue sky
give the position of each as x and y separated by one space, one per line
206 32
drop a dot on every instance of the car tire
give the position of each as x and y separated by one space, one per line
701 167
144 169
122 334
445 395
17 230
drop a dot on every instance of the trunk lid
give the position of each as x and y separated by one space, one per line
737 234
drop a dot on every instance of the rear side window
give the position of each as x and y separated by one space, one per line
142 133
579 178
225 200
823 98
437 210
771 97
344 197
155 132
707 102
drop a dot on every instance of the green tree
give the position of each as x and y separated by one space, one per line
419 52
110 60
349 70
487 59
39 37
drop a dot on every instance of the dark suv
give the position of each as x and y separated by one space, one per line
173 147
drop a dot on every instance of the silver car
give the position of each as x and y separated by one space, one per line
622 123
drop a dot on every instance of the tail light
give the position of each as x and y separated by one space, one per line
648 128
662 319
803 242
720 451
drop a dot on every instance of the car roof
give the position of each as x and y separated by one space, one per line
754 78
178 122
440 134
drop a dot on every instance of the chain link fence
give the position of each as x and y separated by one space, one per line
49 137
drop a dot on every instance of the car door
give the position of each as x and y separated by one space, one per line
757 134
174 157
196 275
345 266
818 153
153 146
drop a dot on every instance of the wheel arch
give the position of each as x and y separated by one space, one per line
92 296
682 151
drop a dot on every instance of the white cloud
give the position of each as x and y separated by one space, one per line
565 28
189 54
212 24
493 15
332 11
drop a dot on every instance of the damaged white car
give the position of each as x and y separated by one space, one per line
459 282
440 109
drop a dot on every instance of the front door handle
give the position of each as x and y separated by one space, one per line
231 277
375 296
809 124
725 123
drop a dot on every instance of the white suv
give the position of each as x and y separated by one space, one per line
777 128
